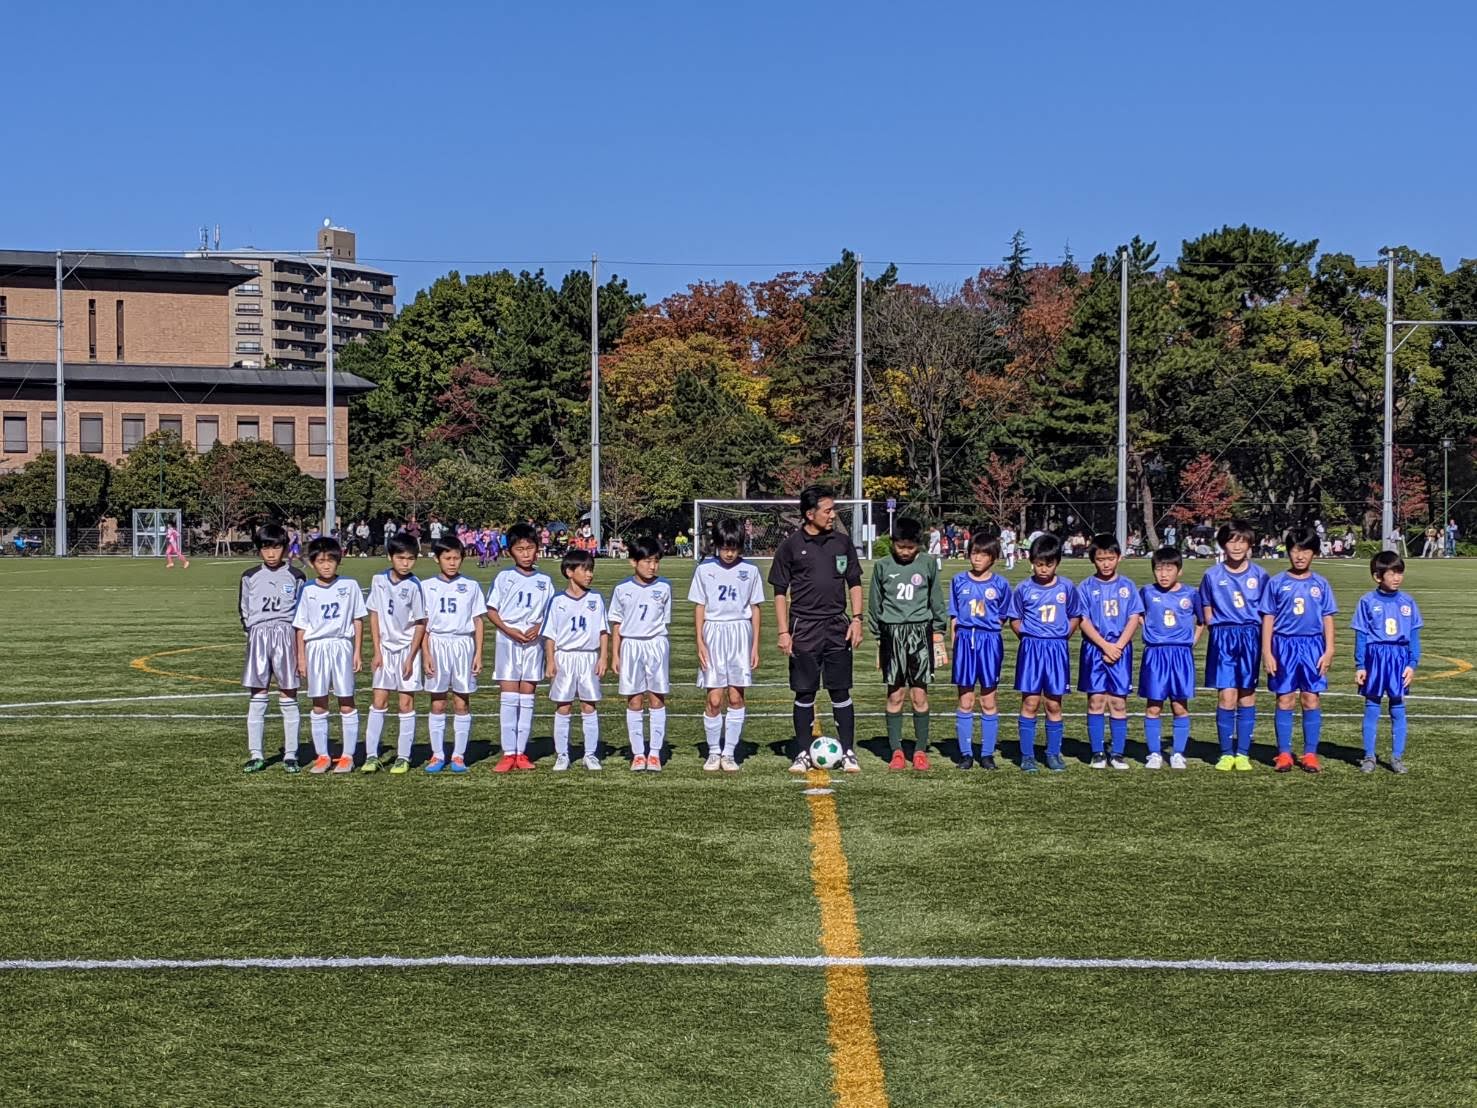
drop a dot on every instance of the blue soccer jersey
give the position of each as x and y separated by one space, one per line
1109 604
1046 611
1170 615
1233 598
1388 617
1297 605
979 604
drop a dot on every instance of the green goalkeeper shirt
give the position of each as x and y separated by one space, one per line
908 592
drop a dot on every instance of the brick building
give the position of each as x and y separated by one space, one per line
146 344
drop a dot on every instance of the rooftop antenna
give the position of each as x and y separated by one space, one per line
204 239
217 238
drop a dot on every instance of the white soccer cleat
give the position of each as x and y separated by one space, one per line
714 763
850 764
729 765
1154 761
592 762
1099 762
561 763
1177 761
801 764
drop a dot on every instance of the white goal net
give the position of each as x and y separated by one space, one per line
151 528
765 523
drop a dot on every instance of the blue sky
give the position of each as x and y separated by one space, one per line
464 135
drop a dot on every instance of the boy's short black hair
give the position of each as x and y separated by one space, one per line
1103 543
1046 548
269 534
574 559
402 542
907 529
443 544
325 544
985 539
1167 556
1237 529
1385 561
521 532
643 547
726 532
1303 538
812 495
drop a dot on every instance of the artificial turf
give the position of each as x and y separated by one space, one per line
128 830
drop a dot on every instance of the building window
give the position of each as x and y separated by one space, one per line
248 328
317 438
133 431
207 431
3 337
174 425
249 363
90 434
248 430
92 330
118 310
284 434
248 348
248 309
252 289
251 266
15 434
48 432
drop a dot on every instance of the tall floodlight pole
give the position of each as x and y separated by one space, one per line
1122 517
1387 488
330 487
595 399
60 545
857 536
1446 445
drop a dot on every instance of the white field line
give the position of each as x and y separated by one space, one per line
749 961
123 700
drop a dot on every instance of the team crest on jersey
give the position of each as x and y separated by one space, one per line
743 575
461 586
917 578
539 585
1061 598
288 589
341 591
1185 603
1123 592
1316 592
840 563
590 604
1405 609
990 593
1251 583
404 593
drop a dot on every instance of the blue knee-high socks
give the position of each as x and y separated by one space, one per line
1026 728
989 734
1054 730
1283 723
1312 729
1225 729
964 732
1153 729
1097 729
1181 733
1398 727
1118 730
1245 726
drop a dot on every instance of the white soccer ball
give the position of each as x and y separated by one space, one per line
825 753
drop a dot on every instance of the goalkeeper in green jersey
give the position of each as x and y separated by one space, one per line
907 616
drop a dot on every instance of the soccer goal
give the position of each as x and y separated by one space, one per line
151 528
767 522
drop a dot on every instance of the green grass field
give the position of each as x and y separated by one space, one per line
128 831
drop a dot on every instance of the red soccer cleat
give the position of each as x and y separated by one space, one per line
1311 764
898 761
1283 763
521 761
505 763
920 760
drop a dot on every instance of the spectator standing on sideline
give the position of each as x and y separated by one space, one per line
1453 532
1432 543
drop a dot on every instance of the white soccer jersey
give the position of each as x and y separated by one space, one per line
329 611
643 611
726 592
452 607
400 606
520 598
575 623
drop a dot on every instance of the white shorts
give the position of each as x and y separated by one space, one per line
644 666
517 661
271 654
453 657
391 675
330 667
729 644
575 677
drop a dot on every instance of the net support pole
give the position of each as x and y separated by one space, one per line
1387 487
858 532
1121 523
595 399
59 547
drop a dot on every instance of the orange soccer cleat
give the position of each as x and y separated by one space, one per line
521 761
920 760
1284 762
1311 764
899 760
505 763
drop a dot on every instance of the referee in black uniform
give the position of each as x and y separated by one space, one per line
814 574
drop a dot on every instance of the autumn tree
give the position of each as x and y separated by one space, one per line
1207 491
998 490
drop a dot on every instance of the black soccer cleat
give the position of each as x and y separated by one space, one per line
967 762
988 762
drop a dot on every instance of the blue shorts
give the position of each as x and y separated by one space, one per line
1297 664
1233 658
1385 664
1043 666
1167 672
1096 675
978 654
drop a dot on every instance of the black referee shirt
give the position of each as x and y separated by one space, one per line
815 571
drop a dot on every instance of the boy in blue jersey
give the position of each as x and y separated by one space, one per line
1111 614
1045 610
979 603
1297 610
1387 649
1172 625
1230 599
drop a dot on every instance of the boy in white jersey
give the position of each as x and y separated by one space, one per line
576 638
397 628
268 600
452 652
330 636
726 592
640 610
516 603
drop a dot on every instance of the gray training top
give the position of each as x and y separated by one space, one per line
269 595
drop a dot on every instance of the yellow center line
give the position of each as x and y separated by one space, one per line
1461 666
145 665
856 1063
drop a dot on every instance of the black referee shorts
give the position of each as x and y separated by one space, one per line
822 656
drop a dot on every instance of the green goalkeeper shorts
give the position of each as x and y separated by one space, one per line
906 653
